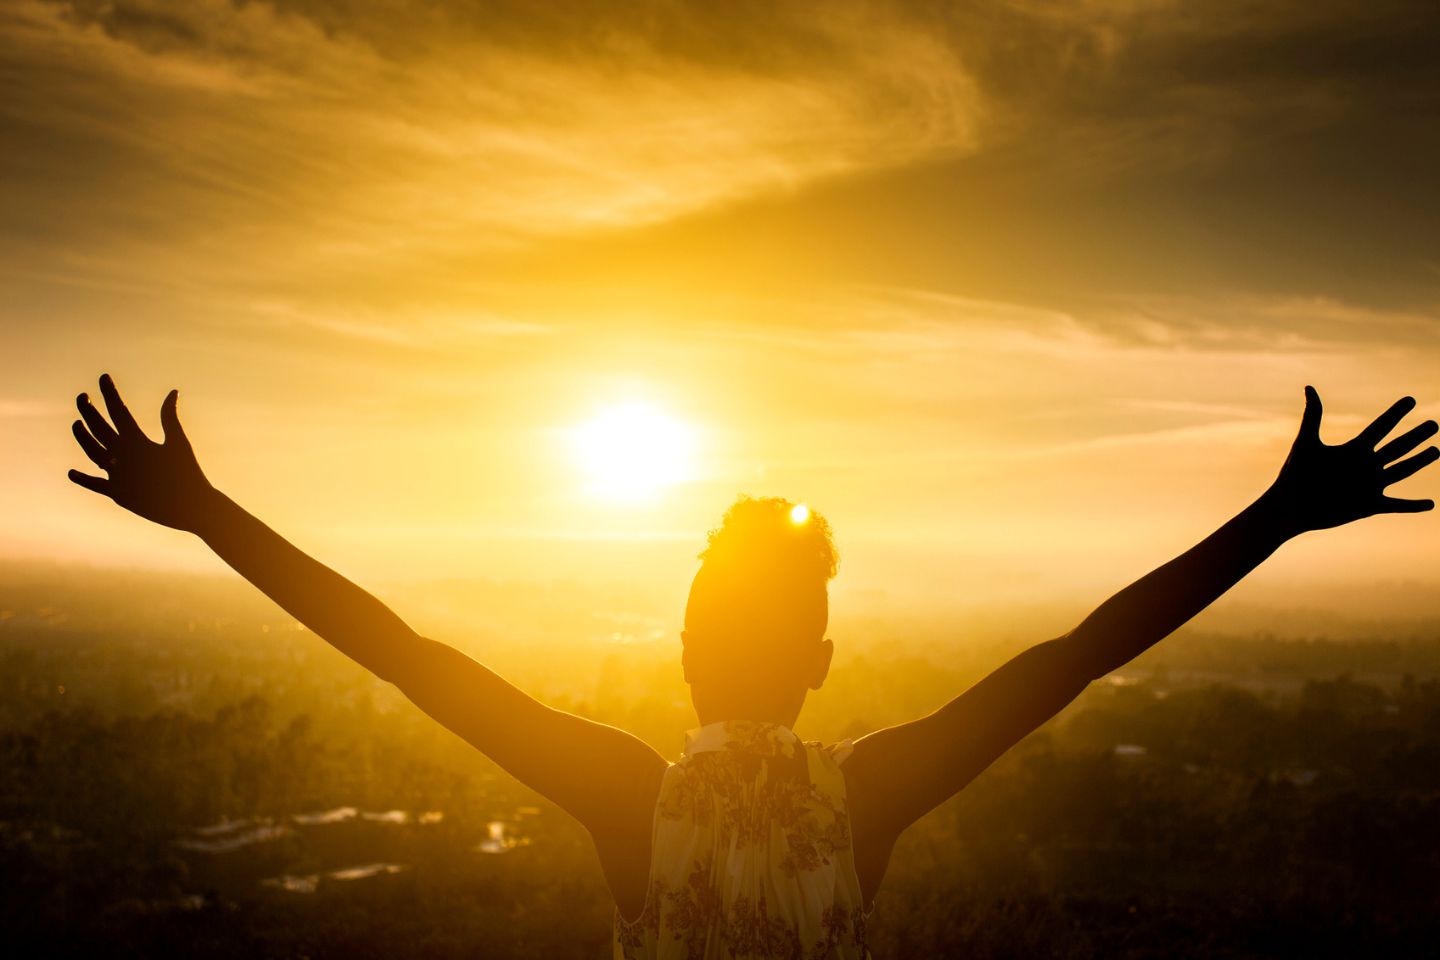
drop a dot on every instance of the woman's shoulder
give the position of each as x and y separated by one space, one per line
838 751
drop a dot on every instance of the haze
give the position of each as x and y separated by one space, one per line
1021 296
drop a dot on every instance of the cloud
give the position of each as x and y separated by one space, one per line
1139 153
1126 87
26 409
1033 381
421 330
221 135
898 321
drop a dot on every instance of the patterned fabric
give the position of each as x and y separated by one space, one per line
751 854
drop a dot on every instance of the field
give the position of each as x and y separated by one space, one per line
184 772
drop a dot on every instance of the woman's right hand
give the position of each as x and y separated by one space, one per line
161 482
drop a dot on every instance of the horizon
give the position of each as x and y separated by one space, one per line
460 609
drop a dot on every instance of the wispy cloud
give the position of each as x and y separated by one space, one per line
26 409
299 150
424 330
231 136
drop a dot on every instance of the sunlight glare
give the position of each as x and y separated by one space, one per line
632 451
799 514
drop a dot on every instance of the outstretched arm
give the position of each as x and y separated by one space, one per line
605 777
899 773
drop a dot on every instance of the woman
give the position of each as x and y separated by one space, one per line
753 844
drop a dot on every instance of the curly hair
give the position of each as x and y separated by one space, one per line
772 535
761 590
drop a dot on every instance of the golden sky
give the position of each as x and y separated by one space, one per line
1021 294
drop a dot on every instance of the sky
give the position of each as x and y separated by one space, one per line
1021 295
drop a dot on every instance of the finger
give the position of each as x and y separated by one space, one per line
1408 441
170 420
1386 422
1397 505
1310 419
1399 471
90 445
119 413
98 484
99 427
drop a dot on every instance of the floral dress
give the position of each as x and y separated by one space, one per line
751 855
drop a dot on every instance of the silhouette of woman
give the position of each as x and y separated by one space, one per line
753 844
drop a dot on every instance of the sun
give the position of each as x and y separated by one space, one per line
631 452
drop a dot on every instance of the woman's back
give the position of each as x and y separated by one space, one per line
751 854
